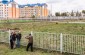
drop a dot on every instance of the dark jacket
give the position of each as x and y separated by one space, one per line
18 36
30 38
11 39
14 37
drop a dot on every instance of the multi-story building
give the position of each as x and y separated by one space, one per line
37 10
10 9
13 10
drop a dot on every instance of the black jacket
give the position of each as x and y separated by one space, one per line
18 36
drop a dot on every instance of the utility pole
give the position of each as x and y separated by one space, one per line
51 12
51 2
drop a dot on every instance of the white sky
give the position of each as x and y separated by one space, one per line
59 5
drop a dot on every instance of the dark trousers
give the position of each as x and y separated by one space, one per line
29 45
11 44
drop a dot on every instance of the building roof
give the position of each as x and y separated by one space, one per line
32 5
5 1
21 6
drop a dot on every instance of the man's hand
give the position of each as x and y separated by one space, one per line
27 37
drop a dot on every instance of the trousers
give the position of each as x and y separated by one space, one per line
29 45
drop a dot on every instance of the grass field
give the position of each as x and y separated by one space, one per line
52 27
15 21
5 50
67 28
51 41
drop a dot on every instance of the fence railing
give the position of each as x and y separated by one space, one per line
24 20
74 44
51 41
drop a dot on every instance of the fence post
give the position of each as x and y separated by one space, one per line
61 43
32 33
0 37
9 36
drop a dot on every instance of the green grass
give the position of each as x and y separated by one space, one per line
15 21
53 27
5 50
71 43
67 28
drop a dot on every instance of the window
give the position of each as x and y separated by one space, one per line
7 7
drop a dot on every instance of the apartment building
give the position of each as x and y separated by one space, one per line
37 10
3 10
11 9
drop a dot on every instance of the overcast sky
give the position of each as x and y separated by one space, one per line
59 5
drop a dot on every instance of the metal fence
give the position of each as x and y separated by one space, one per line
24 20
51 41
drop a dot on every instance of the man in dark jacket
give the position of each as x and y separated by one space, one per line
18 36
11 41
14 39
30 43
